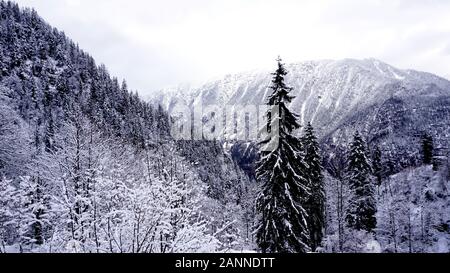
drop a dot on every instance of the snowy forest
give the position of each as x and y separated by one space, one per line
88 166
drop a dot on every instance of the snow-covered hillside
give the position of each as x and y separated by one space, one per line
414 211
412 215
389 106
87 166
326 92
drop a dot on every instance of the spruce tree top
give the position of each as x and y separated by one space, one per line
312 150
358 160
280 97
310 134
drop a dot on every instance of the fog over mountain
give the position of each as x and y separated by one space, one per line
154 43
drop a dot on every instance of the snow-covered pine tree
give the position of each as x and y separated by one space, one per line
427 149
316 203
283 224
362 204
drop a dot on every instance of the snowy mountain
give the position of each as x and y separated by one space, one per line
390 106
326 92
87 166
392 109
84 159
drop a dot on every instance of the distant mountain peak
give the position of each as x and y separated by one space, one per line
326 91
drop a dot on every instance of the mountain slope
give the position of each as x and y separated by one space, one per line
84 161
326 91
391 107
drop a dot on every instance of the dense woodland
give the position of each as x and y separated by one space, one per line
86 165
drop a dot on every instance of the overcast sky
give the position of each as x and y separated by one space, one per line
153 44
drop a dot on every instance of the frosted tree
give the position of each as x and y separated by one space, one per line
337 195
362 204
36 218
73 168
162 215
315 205
414 217
13 138
93 167
9 210
282 172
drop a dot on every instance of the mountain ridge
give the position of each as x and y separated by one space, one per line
389 106
321 87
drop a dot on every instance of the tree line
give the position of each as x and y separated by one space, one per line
292 208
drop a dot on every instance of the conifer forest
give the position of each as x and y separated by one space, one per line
323 156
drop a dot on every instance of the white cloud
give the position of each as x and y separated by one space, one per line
157 43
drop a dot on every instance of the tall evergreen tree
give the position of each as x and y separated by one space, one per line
283 224
316 203
362 204
427 149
